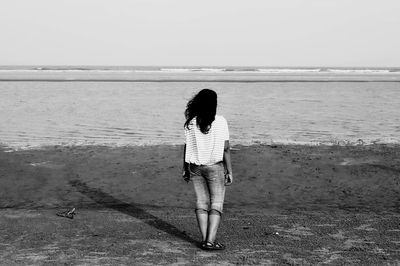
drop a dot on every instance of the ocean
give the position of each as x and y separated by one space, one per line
118 106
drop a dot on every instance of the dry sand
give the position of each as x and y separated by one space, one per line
288 205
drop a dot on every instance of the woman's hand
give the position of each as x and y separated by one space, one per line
186 175
228 179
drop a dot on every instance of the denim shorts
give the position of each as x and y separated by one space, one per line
209 186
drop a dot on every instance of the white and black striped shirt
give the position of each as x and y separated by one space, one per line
206 149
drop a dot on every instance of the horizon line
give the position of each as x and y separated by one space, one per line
187 66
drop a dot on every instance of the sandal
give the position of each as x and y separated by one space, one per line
68 213
212 246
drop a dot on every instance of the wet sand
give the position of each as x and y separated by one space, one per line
288 205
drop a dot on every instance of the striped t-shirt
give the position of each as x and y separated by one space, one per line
206 149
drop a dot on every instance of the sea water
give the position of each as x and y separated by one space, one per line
140 106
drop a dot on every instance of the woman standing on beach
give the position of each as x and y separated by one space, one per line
207 162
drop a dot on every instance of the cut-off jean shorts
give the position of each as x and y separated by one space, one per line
209 186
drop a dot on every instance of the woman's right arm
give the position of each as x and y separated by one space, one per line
185 168
227 163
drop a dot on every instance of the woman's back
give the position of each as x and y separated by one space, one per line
206 149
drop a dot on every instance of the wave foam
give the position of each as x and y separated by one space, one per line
227 70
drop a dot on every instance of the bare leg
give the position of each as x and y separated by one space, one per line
202 220
214 218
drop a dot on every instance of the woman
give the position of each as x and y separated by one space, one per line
207 162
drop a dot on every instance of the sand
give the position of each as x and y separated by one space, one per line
288 205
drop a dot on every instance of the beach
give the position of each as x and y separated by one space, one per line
289 204
315 156
94 99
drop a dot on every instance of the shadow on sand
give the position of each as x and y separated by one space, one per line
130 209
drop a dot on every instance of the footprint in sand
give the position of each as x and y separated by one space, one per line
338 235
327 255
299 230
365 227
46 164
296 231
352 161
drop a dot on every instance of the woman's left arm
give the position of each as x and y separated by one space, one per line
227 163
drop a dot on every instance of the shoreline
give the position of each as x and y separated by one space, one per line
4 147
266 176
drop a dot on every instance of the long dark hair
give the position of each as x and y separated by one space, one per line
203 106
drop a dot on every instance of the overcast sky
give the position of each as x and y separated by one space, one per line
203 32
